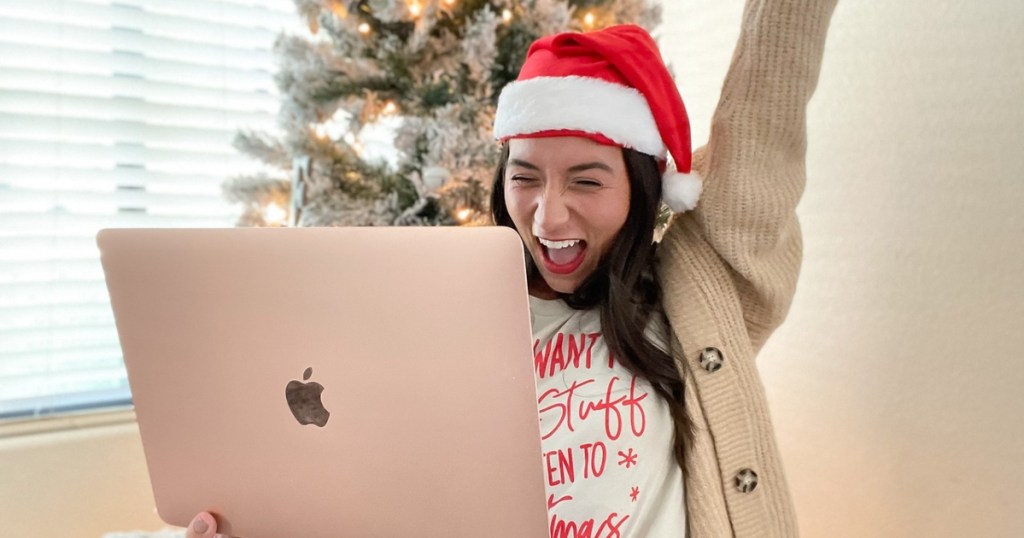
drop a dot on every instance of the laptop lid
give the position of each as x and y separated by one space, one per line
420 340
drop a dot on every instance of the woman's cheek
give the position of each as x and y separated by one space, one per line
515 203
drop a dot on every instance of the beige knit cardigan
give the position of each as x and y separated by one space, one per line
729 269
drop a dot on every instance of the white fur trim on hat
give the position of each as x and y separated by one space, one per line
591 105
679 191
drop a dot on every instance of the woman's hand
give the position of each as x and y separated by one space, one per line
202 526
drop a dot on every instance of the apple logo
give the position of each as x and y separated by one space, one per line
304 400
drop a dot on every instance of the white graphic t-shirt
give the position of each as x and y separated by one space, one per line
607 437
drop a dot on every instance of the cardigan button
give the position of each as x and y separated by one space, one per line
711 359
746 480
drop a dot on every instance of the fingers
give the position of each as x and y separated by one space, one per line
202 526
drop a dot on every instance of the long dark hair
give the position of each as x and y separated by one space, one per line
624 288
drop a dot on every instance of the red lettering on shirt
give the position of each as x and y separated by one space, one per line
609 528
562 351
607 396
576 352
562 409
562 406
540 358
559 466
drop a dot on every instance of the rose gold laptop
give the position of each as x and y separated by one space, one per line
342 382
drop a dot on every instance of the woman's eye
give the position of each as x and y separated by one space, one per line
588 183
520 179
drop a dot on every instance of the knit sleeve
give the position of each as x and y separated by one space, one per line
754 164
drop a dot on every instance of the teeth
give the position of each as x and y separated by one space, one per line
558 244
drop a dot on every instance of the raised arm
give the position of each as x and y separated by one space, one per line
753 166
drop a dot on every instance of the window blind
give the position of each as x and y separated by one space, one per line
112 114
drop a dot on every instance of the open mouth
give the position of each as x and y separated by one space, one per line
563 257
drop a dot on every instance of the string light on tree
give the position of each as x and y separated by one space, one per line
463 215
320 130
415 9
506 15
588 19
274 215
364 28
390 108
338 8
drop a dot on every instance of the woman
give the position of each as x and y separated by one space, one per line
653 418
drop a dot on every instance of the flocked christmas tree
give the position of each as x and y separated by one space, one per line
426 74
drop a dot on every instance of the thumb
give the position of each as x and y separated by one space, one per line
202 526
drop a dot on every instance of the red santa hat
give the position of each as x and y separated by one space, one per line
611 86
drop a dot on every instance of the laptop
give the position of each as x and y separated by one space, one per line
315 382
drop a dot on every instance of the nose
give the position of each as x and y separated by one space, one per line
552 210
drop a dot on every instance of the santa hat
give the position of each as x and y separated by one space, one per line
611 86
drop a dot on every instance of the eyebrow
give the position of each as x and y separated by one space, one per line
523 164
573 169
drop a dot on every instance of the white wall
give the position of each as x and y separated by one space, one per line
76 482
897 384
